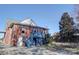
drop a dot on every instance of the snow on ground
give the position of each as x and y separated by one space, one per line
31 51
26 51
43 50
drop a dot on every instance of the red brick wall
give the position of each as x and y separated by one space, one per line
7 38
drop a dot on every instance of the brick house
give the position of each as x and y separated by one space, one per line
25 33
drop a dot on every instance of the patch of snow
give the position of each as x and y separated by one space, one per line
28 22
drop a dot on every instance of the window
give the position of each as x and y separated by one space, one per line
23 32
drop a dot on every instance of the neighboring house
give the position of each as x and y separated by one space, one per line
25 33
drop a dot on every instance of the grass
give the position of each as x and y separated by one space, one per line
56 46
0 41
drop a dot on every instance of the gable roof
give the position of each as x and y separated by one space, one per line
28 22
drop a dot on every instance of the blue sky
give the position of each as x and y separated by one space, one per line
44 15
